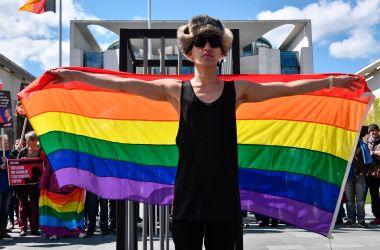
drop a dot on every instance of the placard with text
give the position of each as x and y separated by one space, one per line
24 171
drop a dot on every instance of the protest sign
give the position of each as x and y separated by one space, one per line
24 171
6 119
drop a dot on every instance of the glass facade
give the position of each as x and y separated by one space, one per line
187 70
289 62
93 59
289 59
253 48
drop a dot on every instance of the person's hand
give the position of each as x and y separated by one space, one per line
347 82
63 75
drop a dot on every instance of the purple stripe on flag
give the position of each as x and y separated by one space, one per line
60 231
294 212
115 188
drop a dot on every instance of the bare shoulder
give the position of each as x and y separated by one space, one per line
242 87
243 83
172 86
168 82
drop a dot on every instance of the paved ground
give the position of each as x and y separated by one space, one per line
255 238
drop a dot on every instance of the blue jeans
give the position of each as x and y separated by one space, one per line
355 188
5 198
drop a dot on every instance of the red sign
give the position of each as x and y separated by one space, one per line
24 171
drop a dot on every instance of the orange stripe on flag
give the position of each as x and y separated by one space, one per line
119 106
34 6
113 105
305 108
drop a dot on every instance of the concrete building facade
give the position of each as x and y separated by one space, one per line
372 75
293 55
12 77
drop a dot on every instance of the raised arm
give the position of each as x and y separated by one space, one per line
159 90
249 92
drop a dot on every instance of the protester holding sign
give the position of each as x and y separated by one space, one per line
5 192
28 195
13 206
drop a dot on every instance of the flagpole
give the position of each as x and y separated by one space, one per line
60 33
149 27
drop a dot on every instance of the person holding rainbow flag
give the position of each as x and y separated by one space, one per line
206 194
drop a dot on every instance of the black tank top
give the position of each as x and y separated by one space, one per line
206 185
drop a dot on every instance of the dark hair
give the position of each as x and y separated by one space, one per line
363 131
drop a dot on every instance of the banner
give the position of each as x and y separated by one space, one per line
24 171
6 119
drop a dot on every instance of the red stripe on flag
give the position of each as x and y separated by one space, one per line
39 7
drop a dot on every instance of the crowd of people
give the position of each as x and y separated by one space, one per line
23 206
364 175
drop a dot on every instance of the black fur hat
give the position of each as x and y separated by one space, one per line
200 25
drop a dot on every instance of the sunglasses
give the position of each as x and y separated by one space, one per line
200 41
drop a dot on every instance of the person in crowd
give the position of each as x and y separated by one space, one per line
207 138
14 204
92 207
64 222
13 211
15 150
28 195
355 185
373 142
5 191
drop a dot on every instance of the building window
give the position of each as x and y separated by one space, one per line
93 59
247 50
187 70
289 62
252 49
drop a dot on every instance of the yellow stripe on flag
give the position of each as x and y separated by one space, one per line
313 136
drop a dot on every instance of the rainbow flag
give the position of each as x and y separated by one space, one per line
293 151
61 214
38 6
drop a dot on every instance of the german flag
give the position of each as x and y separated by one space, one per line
38 6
